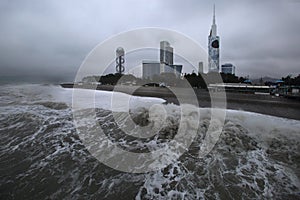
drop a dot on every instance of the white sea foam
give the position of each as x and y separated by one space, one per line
265 126
116 101
268 169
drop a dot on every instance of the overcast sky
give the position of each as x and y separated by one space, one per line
50 39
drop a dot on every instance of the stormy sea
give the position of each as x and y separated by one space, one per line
43 157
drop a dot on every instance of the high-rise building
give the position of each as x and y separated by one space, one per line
166 55
228 68
213 47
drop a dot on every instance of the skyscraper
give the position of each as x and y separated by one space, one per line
166 55
213 47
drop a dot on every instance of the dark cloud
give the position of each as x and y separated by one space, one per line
51 38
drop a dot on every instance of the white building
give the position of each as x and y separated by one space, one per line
200 69
213 47
150 68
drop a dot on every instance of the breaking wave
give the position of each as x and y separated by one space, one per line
42 156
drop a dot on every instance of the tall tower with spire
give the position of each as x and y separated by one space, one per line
213 47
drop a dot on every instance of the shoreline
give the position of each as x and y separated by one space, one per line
263 104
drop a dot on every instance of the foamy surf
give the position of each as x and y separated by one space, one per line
256 157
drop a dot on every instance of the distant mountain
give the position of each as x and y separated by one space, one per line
264 79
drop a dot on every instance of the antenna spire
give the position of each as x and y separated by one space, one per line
214 18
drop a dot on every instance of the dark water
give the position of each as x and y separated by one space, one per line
42 156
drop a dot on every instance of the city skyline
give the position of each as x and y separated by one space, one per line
51 39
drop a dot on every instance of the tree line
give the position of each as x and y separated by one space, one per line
200 80
288 80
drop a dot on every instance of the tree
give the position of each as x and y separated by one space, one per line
288 80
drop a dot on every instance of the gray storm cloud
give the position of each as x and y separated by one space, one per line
51 38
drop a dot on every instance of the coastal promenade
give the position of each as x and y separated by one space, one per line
264 104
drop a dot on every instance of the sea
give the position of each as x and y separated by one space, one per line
42 155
